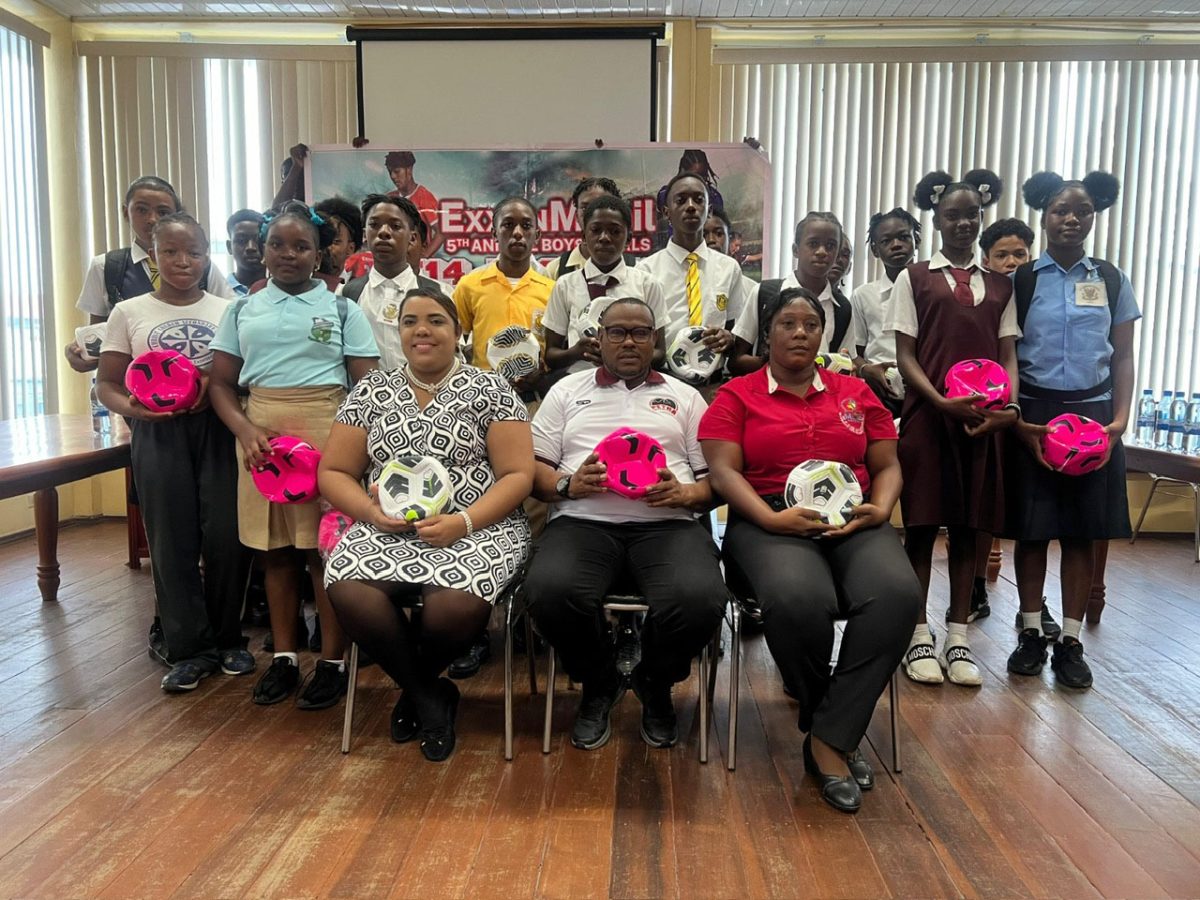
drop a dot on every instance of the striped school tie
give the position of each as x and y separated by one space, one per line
695 310
154 279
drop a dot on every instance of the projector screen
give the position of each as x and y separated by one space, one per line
519 87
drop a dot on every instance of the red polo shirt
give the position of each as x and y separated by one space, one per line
778 430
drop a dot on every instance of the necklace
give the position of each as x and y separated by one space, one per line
432 389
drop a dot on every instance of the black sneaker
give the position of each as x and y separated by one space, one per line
1050 628
184 677
1069 666
237 661
314 640
1030 655
277 683
980 609
324 687
471 661
157 650
592 727
659 727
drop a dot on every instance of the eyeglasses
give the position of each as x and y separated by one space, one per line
617 334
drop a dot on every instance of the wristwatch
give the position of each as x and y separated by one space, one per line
563 487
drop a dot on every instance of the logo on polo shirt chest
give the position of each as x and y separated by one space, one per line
722 302
664 404
851 414
322 330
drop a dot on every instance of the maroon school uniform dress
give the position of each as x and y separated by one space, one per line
949 478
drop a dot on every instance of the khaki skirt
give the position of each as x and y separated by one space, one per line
306 413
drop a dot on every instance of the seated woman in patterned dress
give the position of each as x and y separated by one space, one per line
477 427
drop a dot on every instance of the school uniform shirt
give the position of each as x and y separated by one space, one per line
903 317
239 289
380 303
1065 346
145 323
570 300
488 300
584 408
721 296
294 341
836 419
868 322
746 326
93 298
574 261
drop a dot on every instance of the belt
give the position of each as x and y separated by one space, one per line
1041 393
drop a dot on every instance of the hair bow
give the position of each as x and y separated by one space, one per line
936 194
985 192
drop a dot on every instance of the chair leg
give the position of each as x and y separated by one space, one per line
704 661
735 660
529 653
351 690
1145 506
894 704
508 684
549 714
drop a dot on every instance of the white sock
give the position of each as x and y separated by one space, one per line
294 657
1071 628
1032 620
956 633
340 663
921 635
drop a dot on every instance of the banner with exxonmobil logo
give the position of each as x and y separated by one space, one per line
455 191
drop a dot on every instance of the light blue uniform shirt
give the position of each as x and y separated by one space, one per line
1065 346
293 341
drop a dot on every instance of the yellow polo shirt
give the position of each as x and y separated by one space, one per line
488 302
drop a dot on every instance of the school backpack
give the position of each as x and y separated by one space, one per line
768 303
564 269
120 282
355 286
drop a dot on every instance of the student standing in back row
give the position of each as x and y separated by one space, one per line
585 192
944 311
1076 357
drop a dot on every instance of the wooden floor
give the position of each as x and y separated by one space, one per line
110 788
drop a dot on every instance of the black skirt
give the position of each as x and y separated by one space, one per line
1046 506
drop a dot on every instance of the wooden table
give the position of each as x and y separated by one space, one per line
1173 468
41 452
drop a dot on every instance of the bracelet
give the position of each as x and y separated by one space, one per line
1015 407
467 518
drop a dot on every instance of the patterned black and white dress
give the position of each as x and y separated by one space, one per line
452 429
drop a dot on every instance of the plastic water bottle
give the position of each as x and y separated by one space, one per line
1191 433
1147 415
1175 430
1162 426
101 420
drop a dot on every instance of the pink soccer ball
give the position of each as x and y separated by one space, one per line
633 460
1074 445
163 380
333 527
979 376
289 473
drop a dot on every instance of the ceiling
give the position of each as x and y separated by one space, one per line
550 10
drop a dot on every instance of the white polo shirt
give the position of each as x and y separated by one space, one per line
570 299
746 326
722 295
93 298
584 408
380 302
903 316
869 312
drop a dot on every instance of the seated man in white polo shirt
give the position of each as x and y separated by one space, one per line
597 540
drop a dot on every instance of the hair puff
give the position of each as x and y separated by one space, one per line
1103 188
985 178
1039 189
929 187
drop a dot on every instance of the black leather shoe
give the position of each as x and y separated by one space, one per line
840 792
405 723
860 769
593 726
659 725
437 741
471 661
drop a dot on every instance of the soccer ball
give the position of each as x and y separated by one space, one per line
163 380
333 527
1074 445
90 338
289 473
514 353
632 459
979 376
837 363
895 382
828 488
589 321
690 359
413 488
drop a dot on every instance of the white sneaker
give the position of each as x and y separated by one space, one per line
959 664
921 665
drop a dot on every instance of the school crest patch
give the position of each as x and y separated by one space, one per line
722 302
322 330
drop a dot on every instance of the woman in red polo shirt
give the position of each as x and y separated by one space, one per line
806 574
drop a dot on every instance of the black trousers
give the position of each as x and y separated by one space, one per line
674 565
803 586
185 470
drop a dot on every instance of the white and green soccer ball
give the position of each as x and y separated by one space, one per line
412 488
514 353
828 488
838 363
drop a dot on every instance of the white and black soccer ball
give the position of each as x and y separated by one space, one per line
828 488
838 363
589 320
895 382
89 338
514 353
413 488
688 357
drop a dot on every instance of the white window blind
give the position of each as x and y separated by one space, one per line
26 328
855 137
